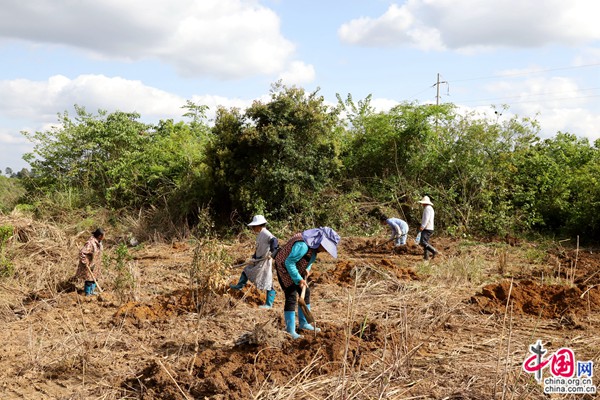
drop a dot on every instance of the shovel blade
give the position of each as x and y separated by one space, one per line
307 314
309 317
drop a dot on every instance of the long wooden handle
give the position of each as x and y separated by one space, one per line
307 314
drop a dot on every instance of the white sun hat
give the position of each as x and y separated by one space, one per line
258 220
425 200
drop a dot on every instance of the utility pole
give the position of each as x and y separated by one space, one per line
437 97
437 87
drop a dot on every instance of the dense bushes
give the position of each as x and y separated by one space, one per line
11 191
296 159
272 158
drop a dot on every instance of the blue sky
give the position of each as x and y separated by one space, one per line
541 58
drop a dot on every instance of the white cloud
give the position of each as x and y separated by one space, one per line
398 26
298 74
38 103
382 104
577 121
8 139
468 25
220 38
558 103
40 100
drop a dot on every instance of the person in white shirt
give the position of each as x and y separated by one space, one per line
426 228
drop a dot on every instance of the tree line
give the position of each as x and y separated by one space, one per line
296 159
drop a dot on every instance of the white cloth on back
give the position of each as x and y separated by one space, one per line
260 272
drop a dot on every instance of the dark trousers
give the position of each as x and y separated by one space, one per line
291 295
427 247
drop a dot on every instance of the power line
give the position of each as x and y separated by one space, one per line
534 95
543 100
516 74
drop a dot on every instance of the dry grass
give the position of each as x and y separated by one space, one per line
431 343
435 345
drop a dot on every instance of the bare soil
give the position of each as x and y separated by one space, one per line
392 326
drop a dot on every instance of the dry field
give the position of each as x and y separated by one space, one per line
393 326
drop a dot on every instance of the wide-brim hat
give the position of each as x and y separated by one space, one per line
425 200
258 220
323 236
330 246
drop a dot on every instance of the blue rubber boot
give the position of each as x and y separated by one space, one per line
290 324
303 323
87 288
241 283
270 299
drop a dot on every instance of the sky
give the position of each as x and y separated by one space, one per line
534 59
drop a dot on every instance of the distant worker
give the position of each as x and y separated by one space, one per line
426 228
259 268
398 227
90 262
293 264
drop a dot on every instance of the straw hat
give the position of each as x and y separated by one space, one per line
425 200
258 220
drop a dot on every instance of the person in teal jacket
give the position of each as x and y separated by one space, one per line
293 263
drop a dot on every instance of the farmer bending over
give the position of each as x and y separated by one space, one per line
293 263
399 229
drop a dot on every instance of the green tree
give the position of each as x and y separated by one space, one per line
113 160
81 154
273 157
555 182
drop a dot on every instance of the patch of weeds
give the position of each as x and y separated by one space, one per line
25 209
424 268
86 224
124 281
457 271
502 262
209 271
469 243
555 280
535 255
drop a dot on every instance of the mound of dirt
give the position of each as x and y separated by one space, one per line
234 373
249 295
344 272
380 246
528 297
167 306
266 334
401 273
